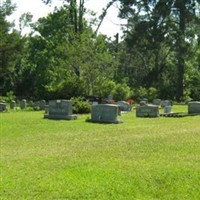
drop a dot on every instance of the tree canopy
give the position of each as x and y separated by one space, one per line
158 55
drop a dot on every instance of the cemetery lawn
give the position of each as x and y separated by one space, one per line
142 158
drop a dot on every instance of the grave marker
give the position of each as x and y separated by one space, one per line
157 102
194 107
60 109
167 109
12 105
147 111
23 104
105 113
124 106
2 107
42 105
166 103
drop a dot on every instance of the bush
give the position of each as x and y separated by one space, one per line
121 92
80 106
140 93
144 93
152 93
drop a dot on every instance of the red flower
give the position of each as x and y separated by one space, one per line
130 101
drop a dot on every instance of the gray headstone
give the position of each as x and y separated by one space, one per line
124 106
147 111
167 109
110 96
12 105
165 103
143 102
23 104
157 102
42 104
3 107
105 113
193 107
60 109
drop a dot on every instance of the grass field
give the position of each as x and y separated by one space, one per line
142 158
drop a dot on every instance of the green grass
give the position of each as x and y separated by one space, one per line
142 158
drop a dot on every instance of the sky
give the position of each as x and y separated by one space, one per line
110 25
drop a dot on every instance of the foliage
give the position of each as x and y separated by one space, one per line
144 93
10 96
65 62
156 31
80 106
121 92
152 93
107 88
11 46
63 56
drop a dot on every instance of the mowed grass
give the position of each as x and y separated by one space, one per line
142 158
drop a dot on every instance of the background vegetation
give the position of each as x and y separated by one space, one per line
63 57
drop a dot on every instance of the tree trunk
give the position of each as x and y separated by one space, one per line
181 50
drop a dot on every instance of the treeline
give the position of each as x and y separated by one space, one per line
63 57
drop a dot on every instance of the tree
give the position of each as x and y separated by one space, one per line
11 46
76 12
66 62
156 24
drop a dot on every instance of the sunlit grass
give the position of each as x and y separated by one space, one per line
142 158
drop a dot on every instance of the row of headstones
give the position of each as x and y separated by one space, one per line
123 106
62 109
153 110
157 102
23 105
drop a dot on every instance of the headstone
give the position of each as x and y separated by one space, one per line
147 111
110 97
167 109
157 102
42 104
60 109
194 107
105 113
46 109
23 104
166 103
2 107
12 105
143 102
94 103
124 106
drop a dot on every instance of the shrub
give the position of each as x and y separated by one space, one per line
152 93
80 106
121 92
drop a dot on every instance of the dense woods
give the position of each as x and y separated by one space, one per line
63 56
